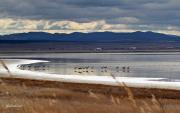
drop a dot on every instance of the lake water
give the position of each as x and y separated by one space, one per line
148 65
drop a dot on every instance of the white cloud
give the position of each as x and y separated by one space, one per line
89 15
45 25
8 26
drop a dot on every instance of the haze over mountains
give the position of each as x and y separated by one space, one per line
89 42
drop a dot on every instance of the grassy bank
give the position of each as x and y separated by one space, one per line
32 96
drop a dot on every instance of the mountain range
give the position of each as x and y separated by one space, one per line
135 37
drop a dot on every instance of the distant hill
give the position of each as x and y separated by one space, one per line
135 37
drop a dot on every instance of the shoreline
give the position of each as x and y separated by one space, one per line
107 51
156 83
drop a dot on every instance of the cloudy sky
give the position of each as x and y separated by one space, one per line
89 15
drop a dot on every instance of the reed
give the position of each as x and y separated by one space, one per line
22 98
132 99
5 67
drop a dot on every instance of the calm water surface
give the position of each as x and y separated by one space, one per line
150 65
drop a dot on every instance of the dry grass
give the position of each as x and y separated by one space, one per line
34 96
5 67
19 97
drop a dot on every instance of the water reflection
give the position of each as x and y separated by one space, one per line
127 65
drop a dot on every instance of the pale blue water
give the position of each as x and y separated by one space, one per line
150 65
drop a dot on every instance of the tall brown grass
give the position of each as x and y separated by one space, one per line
132 99
18 97
5 67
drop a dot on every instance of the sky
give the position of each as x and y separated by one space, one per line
66 16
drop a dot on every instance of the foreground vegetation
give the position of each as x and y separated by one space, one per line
33 96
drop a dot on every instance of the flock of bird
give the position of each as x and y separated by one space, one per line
79 69
103 69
